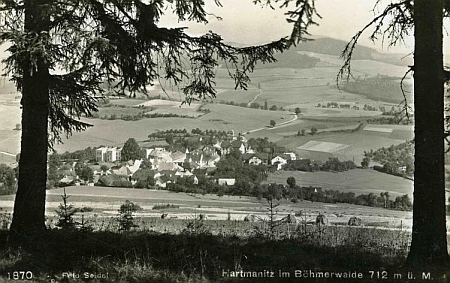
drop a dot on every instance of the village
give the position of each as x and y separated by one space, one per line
191 157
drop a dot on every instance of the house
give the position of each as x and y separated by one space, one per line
200 172
246 157
292 155
113 154
108 154
239 145
163 180
226 181
123 171
142 174
255 160
264 157
164 166
278 161
189 166
157 154
225 147
178 157
211 160
100 154
109 180
66 180
250 150
133 166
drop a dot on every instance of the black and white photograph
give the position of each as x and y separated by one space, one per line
204 141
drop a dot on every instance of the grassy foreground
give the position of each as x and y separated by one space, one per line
195 255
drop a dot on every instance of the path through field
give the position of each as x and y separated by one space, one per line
254 98
7 153
276 126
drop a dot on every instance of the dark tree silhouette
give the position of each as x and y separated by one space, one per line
131 150
396 20
291 182
429 239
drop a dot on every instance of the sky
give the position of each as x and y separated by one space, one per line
244 22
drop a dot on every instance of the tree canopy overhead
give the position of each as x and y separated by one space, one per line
86 43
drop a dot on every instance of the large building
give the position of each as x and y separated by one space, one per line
108 154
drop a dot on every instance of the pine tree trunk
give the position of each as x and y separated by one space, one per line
29 205
429 239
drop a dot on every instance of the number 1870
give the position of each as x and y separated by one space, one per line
20 275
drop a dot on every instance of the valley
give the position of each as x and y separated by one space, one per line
274 94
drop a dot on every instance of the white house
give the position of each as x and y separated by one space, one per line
291 155
113 154
108 154
255 160
226 181
278 161
100 154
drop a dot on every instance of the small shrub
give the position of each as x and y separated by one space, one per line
196 227
126 218
165 206
66 213
85 209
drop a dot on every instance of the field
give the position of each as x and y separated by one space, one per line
107 112
105 202
361 67
353 144
284 87
222 117
172 107
358 181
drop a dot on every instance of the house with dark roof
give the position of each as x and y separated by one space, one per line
264 157
142 174
239 145
225 147
168 166
211 160
108 180
189 166
178 157
200 172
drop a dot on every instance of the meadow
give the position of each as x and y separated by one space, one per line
105 202
284 87
358 181
221 117
195 255
191 250
333 132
